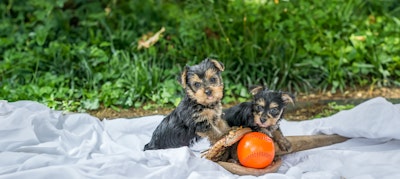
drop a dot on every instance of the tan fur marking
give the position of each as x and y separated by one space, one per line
210 73
270 119
206 115
273 105
273 120
219 127
218 92
202 134
218 65
202 98
195 94
257 118
221 124
183 77
190 93
260 102
287 98
195 78
256 90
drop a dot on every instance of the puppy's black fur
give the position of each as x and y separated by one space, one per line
198 114
262 114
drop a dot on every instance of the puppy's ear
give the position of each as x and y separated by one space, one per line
256 89
182 78
220 66
288 98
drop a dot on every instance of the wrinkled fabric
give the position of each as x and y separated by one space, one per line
37 142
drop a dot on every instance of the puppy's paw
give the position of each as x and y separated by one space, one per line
285 145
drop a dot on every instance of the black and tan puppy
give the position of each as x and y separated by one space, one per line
262 114
198 114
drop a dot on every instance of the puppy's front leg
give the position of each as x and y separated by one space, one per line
265 131
282 142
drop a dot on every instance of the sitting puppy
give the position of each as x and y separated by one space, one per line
262 114
198 114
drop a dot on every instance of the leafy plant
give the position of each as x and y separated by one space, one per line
333 108
81 55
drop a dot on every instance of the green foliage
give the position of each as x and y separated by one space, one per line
333 108
79 55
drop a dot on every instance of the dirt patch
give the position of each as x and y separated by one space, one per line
109 113
307 105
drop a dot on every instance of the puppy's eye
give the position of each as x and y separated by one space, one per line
197 84
274 111
213 80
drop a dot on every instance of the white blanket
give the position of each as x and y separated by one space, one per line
37 142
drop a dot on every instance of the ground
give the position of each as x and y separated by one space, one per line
307 106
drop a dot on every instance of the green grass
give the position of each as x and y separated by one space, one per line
78 55
333 108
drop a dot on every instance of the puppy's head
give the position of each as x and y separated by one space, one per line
268 106
203 82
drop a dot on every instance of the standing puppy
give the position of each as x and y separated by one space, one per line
198 114
262 114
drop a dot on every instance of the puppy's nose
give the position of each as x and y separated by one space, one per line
208 92
263 120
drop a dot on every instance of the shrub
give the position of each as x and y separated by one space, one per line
79 55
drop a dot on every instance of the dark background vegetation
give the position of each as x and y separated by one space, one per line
81 54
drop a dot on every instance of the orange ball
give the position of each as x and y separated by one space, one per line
256 150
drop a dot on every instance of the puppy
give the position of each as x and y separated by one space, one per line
198 114
262 114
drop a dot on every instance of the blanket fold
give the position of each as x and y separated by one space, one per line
37 142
